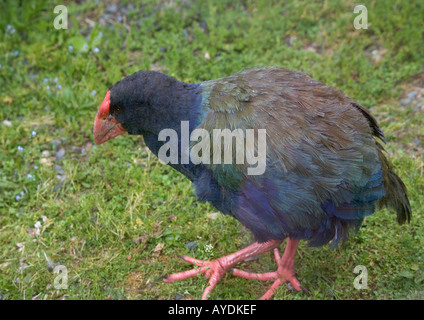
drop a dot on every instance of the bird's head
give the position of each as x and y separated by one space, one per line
106 126
131 105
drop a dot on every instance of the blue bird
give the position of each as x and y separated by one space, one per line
324 166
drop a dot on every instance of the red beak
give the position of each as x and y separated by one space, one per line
106 126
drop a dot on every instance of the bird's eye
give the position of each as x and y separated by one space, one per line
109 117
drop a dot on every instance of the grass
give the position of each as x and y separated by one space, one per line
115 216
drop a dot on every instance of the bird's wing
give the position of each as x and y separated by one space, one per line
321 155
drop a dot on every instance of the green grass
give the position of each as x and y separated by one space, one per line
118 192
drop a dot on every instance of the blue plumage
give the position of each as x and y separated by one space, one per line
323 166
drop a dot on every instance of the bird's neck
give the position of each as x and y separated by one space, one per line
173 103
178 108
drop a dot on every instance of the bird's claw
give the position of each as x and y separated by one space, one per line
284 274
212 270
216 269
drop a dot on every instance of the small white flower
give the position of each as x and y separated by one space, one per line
35 167
15 53
47 87
70 48
55 79
19 196
29 176
33 133
96 50
21 246
59 86
37 227
93 93
20 149
45 80
10 29
208 248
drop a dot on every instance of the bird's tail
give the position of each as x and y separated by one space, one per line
396 196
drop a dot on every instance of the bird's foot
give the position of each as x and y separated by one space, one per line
216 269
284 274
212 270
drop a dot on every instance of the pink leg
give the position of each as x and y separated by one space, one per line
285 272
215 270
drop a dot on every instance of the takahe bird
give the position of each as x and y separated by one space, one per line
326 169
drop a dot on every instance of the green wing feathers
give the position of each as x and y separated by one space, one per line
396 195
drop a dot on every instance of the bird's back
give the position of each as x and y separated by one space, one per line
325 168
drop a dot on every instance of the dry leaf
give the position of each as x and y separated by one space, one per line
139 222
46 162
157 250
213 215
172 217
7 99
141 239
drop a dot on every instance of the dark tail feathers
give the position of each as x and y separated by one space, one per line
396 195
